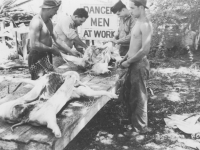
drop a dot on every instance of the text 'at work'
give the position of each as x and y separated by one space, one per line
98 34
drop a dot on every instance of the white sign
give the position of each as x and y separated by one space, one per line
101 23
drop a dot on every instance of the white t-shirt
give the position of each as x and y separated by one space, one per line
65 29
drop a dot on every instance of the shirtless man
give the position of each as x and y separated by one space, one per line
134 89
40 45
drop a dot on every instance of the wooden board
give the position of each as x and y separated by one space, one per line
71 119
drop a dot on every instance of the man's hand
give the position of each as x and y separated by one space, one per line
112 95
76 53
55 52
125 64
118 63
113 40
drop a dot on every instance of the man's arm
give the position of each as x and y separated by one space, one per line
65 48
118 63
34 35
146 31
78 41
116 37
126 39
71 33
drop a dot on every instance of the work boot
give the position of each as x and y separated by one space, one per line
131 133
146 130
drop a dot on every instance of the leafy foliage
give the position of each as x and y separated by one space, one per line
173 20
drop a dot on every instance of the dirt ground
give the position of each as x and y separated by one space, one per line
174 85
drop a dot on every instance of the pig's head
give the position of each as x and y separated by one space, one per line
74 75
20 111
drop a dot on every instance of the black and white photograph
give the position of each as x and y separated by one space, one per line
99 74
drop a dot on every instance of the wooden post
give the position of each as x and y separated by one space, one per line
2 28
92 42
15 38
24 38
25 50
87 42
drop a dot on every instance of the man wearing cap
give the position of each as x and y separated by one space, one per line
66 32
134 88
40 44
126 23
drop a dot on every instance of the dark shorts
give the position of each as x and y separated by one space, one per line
123 50
39 63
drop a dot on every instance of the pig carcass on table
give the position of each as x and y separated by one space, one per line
96 59
47 97
90 57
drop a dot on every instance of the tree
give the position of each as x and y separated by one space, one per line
173 20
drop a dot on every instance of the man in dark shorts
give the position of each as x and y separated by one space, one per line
40 44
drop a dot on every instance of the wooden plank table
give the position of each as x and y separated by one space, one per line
71 119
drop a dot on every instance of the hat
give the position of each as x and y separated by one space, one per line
117 7
143 2
51 3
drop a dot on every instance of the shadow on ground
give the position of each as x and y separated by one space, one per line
175 85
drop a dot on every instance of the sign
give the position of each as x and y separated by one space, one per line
101 24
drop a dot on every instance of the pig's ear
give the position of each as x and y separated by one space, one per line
18 110
19 107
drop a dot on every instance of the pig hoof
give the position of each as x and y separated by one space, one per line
58 135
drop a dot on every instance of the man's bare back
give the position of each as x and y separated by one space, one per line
44 31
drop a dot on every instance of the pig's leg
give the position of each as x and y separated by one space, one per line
87 91
52 124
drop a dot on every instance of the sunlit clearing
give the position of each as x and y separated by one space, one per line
104 138
182 70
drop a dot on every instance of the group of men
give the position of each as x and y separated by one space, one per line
134 38
46 40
